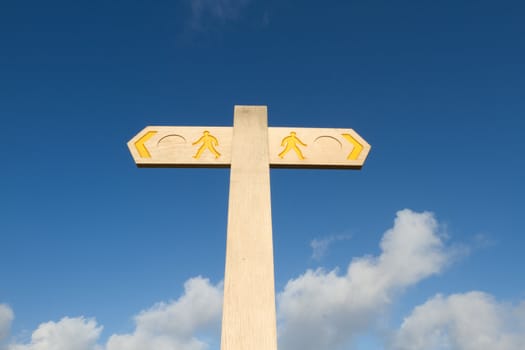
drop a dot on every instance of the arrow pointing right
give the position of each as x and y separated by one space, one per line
357 147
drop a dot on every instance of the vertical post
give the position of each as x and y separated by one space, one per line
248 321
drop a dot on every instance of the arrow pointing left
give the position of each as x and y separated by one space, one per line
182 146
141 148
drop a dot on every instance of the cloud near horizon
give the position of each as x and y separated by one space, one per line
326 309
173 325
469 321
320 309
69 333
165 326
6 317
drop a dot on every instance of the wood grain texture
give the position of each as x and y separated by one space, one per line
319 147
175 146
178 146
249 321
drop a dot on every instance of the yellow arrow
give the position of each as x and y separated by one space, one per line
357 147
141 148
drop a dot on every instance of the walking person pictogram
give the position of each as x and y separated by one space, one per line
290 142
208 142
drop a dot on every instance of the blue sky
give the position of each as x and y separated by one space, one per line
88 241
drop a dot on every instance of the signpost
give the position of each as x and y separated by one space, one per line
250 148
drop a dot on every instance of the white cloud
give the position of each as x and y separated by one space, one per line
174 325
67 334
470 321
319 309
221 10
6 317
324 310
165 326
320 246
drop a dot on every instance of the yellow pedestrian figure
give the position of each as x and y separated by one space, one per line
208 142
290 142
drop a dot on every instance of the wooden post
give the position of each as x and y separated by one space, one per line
248 321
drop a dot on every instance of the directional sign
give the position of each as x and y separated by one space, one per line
171 146
180 146
316 148
249 148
